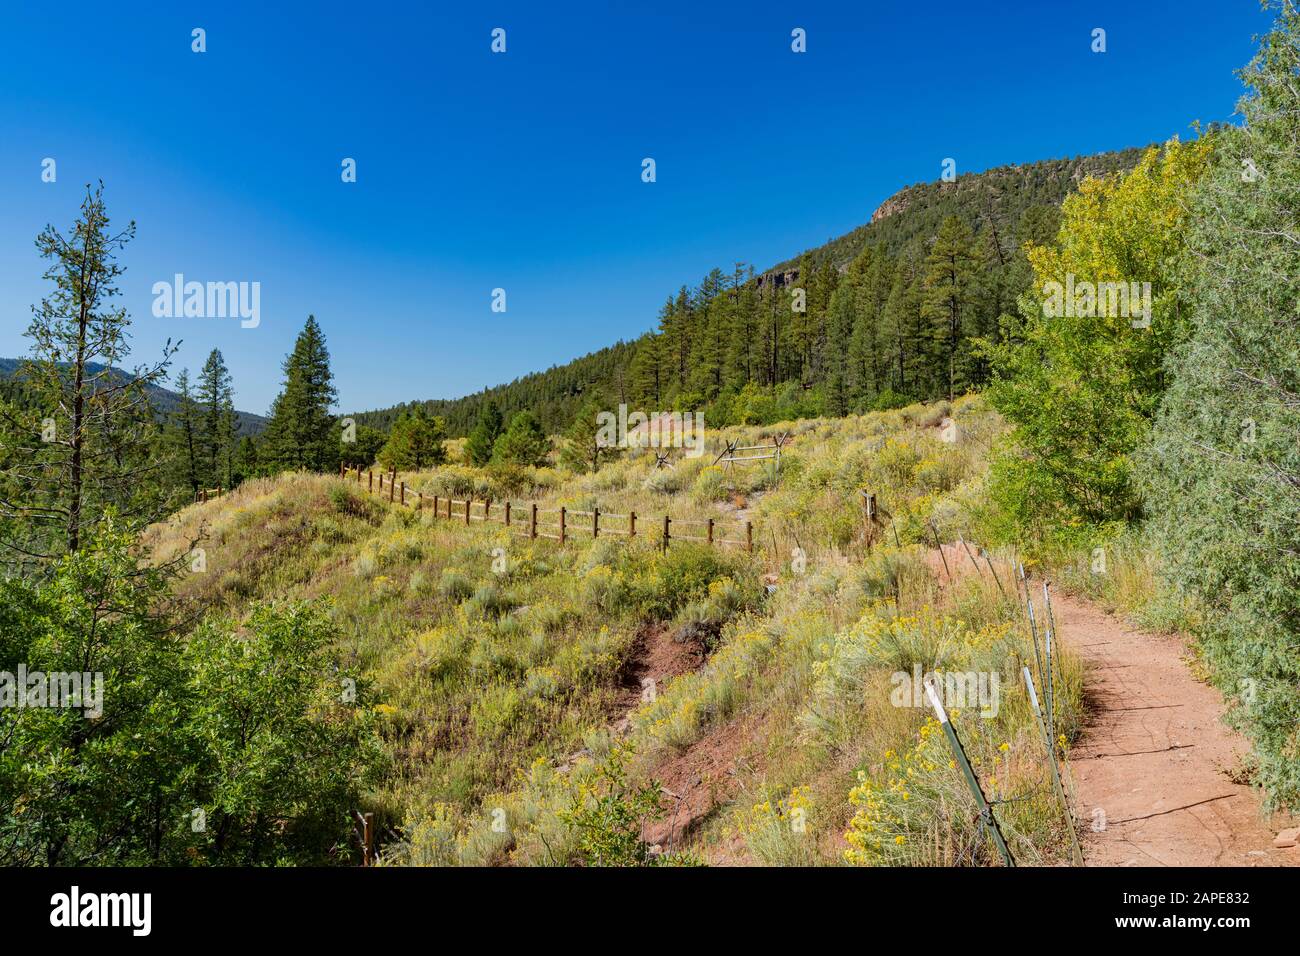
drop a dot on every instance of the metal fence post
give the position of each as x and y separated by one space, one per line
1075 852
986 812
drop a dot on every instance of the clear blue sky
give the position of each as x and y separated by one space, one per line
522 170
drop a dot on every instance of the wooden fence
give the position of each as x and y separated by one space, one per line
206 494
526 520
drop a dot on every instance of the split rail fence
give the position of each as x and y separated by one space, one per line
527 520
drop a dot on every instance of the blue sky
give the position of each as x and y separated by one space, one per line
523 170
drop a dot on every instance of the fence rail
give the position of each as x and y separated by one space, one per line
521 518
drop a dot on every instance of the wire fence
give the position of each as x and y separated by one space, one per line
525 519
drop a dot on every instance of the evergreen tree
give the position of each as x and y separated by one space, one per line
82 442
246 458
415 443
478 447
301 433
950 272
364 451
217 420
183 435
523 443
582 449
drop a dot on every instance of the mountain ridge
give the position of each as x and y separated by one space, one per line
911 215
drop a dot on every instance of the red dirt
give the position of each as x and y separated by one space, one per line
695 782
1155 757
1155 760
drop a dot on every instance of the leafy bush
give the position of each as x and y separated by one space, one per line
1223 464
247 744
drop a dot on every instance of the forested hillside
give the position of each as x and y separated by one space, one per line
889 313
165 401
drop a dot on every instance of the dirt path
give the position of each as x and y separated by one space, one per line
1155 761
1155 758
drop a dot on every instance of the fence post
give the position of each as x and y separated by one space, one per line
631 524
710 532
667 521
392 485
507 512
1075 852
561 524
1049 626
595 523
935 532
368 839
487 510
468 500
403 492
435 505
749 536
986 813
371 486
532 522
448 509
869 506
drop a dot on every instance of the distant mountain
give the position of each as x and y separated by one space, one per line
164 399
992 202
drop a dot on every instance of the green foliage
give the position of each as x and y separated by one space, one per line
363 452
301 433
415 443
584 447
1081 387
216 423
735 347
609 814
81 442
247 724
1222 467
523 443
479 444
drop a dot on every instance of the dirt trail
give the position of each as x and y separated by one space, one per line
1155 758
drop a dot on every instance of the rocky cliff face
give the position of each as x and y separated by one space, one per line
894 204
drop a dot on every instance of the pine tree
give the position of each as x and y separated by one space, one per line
301 433
647 373
82 444
523 443
478 447
582 449
217 420
950 275
183 433
416 442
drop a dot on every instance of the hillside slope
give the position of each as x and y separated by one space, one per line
164 400
521 681
992 203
